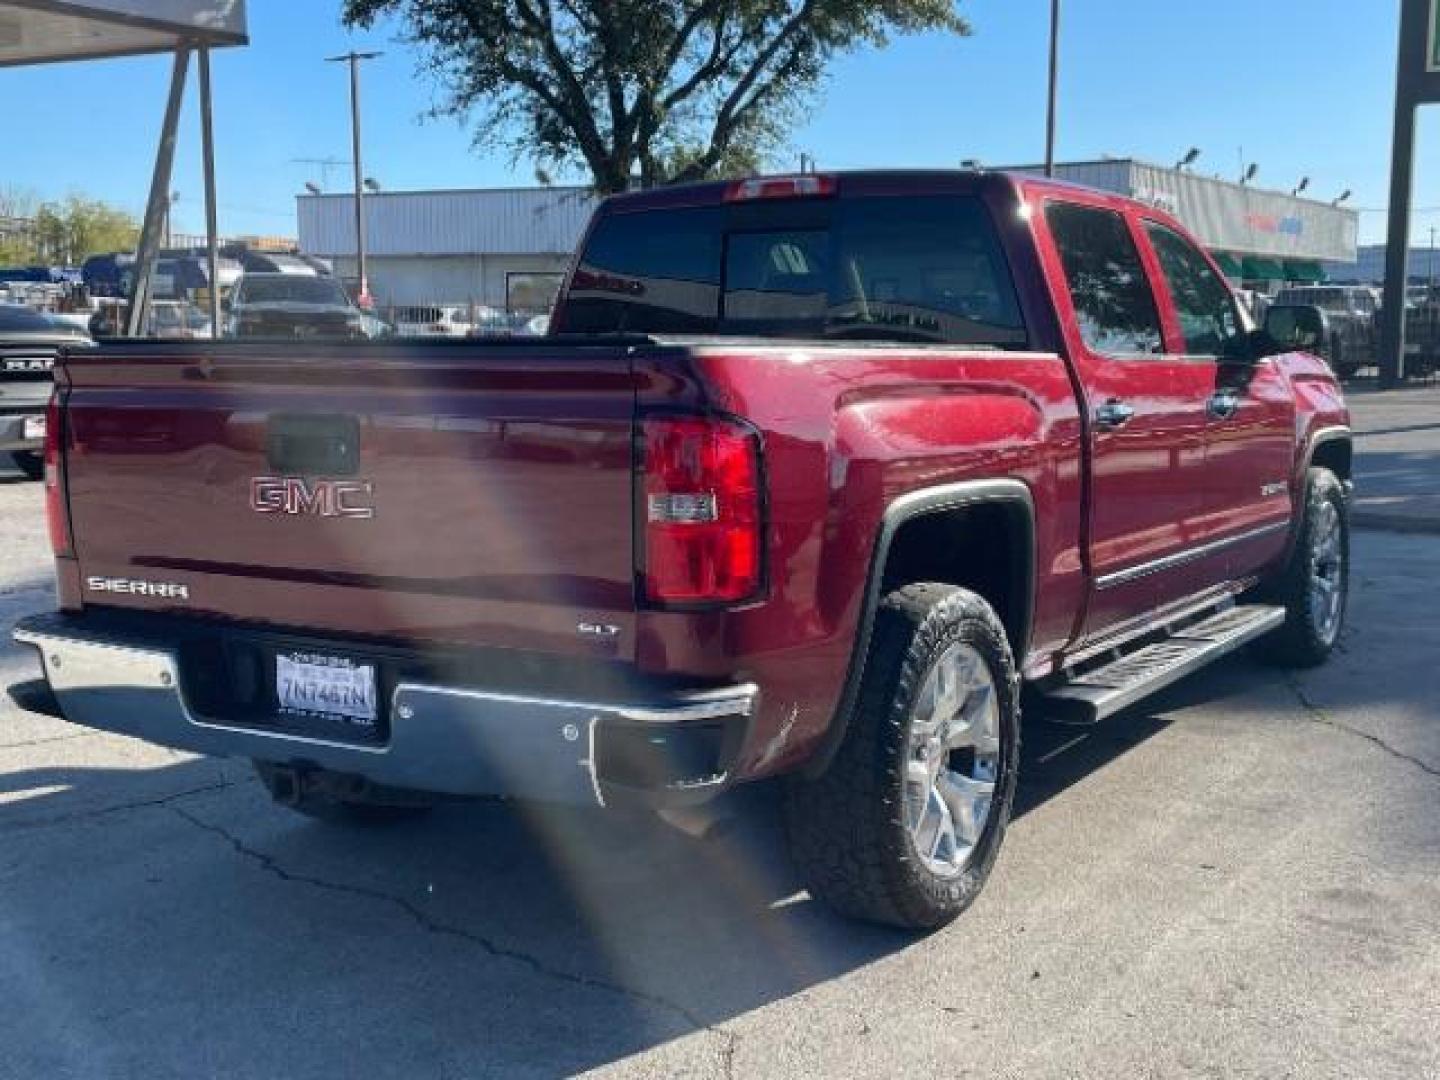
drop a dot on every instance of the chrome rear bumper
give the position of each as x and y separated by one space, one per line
445 739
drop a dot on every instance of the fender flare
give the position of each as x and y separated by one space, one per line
1328 434
906 508
1321 436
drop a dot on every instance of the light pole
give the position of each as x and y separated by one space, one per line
1054 87
353 58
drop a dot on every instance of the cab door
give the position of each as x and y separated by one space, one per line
1146 405
1249 417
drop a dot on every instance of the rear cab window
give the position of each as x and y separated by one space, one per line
927 269
1114 305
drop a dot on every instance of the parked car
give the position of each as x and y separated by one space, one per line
492 323
273 262
293 305
38 275
166 319
1350 311
1422 331
434 320
375 327
813 479
109 274
29 341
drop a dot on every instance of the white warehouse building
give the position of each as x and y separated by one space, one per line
506 249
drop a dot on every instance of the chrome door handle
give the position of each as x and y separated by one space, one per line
1113 414
1223 404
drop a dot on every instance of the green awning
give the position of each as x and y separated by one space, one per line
1304 270
1229 264
1255 268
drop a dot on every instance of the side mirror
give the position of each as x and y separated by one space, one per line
1298 327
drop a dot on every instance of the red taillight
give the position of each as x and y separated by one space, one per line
57 516
805 185
702 511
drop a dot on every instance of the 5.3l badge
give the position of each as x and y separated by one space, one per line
297 496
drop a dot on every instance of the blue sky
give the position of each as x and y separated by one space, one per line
1305 87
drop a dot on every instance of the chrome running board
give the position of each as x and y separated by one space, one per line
1090 696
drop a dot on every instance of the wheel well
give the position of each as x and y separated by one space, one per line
1335 455
986 548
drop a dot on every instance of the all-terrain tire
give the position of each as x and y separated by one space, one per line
365 804
1313 621
847 827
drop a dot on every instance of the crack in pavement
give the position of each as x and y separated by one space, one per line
104 811
1319 716
729 1040
50 739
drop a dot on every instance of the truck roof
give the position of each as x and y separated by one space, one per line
867 182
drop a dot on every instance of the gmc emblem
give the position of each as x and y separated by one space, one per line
319 498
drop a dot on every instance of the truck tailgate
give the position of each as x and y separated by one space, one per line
470 494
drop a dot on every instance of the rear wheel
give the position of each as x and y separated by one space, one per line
1314 587
338 799
29 462
907 819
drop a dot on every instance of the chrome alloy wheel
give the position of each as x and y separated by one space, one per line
953 759
1327 572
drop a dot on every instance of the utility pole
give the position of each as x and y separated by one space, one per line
1054 87
353 58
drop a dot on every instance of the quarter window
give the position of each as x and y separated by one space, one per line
1206 310
1111 295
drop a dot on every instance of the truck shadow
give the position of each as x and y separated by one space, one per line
487 938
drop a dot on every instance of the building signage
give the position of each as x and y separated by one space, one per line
1252 221
1282 226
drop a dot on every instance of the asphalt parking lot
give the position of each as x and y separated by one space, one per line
1241 878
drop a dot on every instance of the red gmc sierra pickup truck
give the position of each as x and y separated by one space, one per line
816 478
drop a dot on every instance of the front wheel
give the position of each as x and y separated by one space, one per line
904 824
1314 587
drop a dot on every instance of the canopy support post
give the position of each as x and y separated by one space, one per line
159 204
212 229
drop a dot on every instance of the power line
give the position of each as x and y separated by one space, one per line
1386 209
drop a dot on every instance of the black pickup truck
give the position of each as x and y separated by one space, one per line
29 341
1350 315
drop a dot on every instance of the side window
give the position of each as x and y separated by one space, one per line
1113 302
1206 310
635 276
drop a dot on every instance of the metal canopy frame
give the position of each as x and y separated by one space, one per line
103 29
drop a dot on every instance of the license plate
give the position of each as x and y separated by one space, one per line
34 427
316 685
